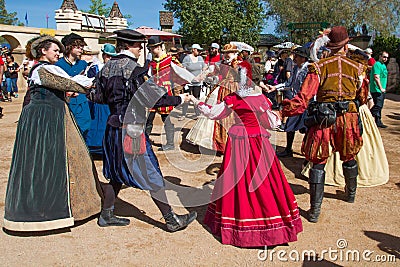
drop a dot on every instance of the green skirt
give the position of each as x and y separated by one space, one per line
52 178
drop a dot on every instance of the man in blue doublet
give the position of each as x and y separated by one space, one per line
73 65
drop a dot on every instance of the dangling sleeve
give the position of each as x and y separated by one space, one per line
54 77
268 118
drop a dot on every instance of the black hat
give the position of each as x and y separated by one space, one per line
361 53
154 41
130 36
70 38
283 51
173 51
302 51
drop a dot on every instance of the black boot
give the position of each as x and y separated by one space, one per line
176 222
169 134
316 181
107 218
379 122
287 153
350 176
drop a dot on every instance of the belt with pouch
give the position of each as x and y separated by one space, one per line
324 114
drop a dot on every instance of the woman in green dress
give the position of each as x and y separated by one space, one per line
52 180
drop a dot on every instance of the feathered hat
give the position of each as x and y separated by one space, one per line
321 41
230 48
338 37
42 39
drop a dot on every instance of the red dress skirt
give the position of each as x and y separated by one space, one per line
252 204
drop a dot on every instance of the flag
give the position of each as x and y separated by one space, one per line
26 18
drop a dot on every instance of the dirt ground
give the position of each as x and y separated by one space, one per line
369 227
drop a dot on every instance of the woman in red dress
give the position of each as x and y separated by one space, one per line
252 204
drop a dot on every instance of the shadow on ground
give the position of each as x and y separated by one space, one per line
319 263
387 243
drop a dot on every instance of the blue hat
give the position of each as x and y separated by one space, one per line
271 54
109 49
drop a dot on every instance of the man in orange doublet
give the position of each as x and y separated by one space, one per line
334 81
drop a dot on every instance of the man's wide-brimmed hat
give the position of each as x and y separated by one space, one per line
109 49
154 41
130 36
173 51
338 37
70 38
302 51
88 51
42 39
361 54
283 51
230 48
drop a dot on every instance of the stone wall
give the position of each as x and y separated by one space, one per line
18 36
393 76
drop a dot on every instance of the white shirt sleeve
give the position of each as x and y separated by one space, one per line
81 79
212 112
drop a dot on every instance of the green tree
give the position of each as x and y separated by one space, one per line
99 8
203 21
390 44
379 16
5 17
128 18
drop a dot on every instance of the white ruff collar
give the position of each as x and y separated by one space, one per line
244 90
127 53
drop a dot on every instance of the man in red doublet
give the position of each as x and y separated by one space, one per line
160 70
335 82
